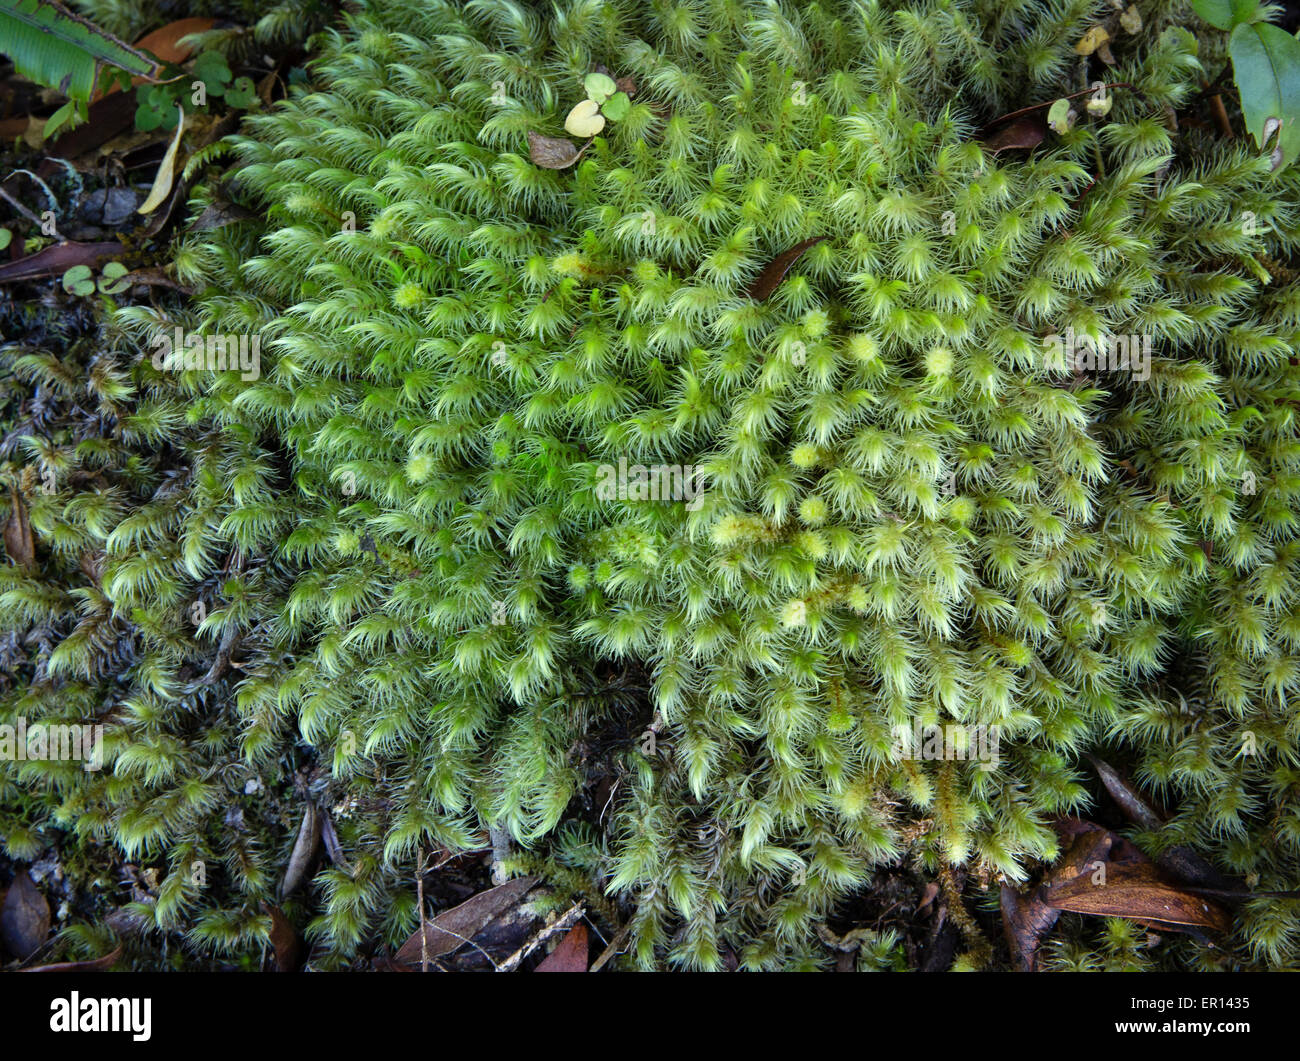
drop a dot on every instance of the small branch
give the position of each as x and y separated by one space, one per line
1039 106
419 902
610 952
29 215
1220 113
500 852
561 924
979 947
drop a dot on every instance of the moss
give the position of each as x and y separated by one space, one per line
911 512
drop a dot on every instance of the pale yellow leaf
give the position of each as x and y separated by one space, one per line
1092 40
162 184
585 119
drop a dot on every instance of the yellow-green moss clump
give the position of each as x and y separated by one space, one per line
905 489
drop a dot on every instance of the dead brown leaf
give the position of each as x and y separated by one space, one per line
156 276
1084 851
1137 891
774 271
18 532
92 564
167 170
330 837
24 917
570 955
1180 860
552 152
220 213
1025 920
57 260
165 42
206 131
446 932
304 851
106 118
1023 134
1103 875
284 940
91 965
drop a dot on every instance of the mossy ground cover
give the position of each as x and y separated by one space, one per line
405 567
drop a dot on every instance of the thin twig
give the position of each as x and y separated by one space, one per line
30 216
1220 113
612 950
1040 106
419 902
561 924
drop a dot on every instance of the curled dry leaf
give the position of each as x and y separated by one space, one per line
1020 135
1137 891
284 940
91 965
19 543
774 271
24 917
220 213
450 929
1135 808
1103 875
1179 859
304 852
57 260
1093 39
162 183
1025 920
570 956
551 152
165 42
331 840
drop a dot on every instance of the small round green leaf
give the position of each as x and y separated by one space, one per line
146 118
616 107
599 87
111 282
211 68
241 93
77 281
1060 117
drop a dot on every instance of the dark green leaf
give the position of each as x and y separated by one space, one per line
1266 65
1224 14
56 48
616 107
